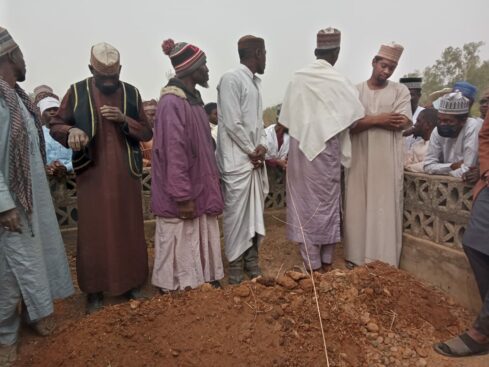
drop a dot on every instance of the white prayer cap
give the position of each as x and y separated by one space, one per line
105 59
454 104
47 103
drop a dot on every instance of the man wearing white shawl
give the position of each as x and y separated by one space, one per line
319 107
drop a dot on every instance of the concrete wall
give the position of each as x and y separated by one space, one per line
436 211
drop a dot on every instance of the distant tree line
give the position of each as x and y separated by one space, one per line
456 63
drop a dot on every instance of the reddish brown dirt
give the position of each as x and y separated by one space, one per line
372 316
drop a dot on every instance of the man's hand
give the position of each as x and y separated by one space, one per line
186 209
472 175
112 113
282 163
10 220
78 139
408 132
392 121
257 158
56 169
456 165
59 169
485 178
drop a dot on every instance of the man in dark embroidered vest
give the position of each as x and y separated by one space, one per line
186 196
101 118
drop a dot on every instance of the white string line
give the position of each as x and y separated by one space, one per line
305 224
312 273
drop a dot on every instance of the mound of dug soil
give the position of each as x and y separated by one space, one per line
372 316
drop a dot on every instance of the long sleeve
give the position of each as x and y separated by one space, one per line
484 147
470 151
63 121
434 156
230 110
171 138
403 103
415 167
139 129
263 137
6 200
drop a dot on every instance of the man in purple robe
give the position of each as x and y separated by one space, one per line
319 107
186 195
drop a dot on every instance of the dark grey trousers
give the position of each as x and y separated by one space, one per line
479 263
248 262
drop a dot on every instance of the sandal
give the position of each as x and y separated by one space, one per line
461 346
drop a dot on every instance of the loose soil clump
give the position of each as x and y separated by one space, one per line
374 315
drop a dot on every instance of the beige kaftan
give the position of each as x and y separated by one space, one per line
373 208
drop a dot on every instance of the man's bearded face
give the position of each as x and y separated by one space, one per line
201 76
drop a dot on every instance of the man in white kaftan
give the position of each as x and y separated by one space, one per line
454 144
241 148
374 182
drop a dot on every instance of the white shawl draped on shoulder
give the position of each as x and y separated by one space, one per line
314 114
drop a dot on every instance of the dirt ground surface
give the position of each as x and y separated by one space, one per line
371 316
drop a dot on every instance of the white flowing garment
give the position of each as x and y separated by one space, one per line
241 130
374 182
272 144
315 114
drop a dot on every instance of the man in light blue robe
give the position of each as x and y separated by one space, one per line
33 264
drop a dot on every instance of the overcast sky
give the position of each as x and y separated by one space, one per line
56 35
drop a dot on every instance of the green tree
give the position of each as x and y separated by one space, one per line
270 115
456 63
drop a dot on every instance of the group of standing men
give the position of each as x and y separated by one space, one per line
195 177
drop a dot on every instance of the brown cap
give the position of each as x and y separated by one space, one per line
105 59
391 51
328 39
250 42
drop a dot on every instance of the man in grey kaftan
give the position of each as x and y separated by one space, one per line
33 264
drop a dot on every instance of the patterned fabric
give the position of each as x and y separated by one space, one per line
454 104
412 82
391 51
105 59
185 58
19 171
7 44
329 38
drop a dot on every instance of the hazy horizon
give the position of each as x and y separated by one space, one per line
55 36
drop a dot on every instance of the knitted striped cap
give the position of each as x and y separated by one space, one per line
185 58
7 43
454 104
